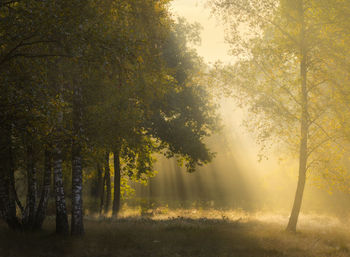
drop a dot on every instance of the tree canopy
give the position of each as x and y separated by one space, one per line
83 79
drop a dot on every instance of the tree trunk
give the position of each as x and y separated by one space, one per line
3 196
108 184
77 225
14 192
7 196
45 193
61 209
303 154
102 194
117 176
30 210
95 187
62 226
99 183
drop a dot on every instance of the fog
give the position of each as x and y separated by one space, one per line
237 178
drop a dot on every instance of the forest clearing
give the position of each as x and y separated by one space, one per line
186 233
174 128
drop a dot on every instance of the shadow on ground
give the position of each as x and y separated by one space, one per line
138 237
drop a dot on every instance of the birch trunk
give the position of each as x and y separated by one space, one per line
61 209
77 225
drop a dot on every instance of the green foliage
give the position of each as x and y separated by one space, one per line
272 39
102 76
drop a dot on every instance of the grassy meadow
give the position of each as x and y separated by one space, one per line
163 233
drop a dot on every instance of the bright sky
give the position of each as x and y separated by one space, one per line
213 45
214 48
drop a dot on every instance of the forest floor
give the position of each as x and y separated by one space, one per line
185 233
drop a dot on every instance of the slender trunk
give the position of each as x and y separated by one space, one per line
61 209
3 196
98 182
14 192
117 175
303 154
45 193
102 194
8 205
30 210
13 197
7 194
150 193
108 184
77 225
62 226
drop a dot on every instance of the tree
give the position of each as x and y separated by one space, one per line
82 79
280 76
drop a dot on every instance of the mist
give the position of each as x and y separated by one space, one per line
238 178
174 128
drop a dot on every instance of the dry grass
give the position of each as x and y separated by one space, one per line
163 233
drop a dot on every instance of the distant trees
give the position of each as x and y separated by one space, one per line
83 79
284 77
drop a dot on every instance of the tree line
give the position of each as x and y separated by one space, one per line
85 80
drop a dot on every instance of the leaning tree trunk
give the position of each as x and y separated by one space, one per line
117 175
108 184
7 194
77 225
45 193
303 154
61 209
30 210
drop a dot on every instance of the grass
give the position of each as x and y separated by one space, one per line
185 233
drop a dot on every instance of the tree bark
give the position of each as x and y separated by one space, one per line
117 176
30 210
77 225
303 152
108 184
7 194
14 191
61 209
99 182
45 193
102 194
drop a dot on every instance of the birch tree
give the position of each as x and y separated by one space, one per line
280 76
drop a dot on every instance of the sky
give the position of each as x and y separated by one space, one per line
213 45
214 48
